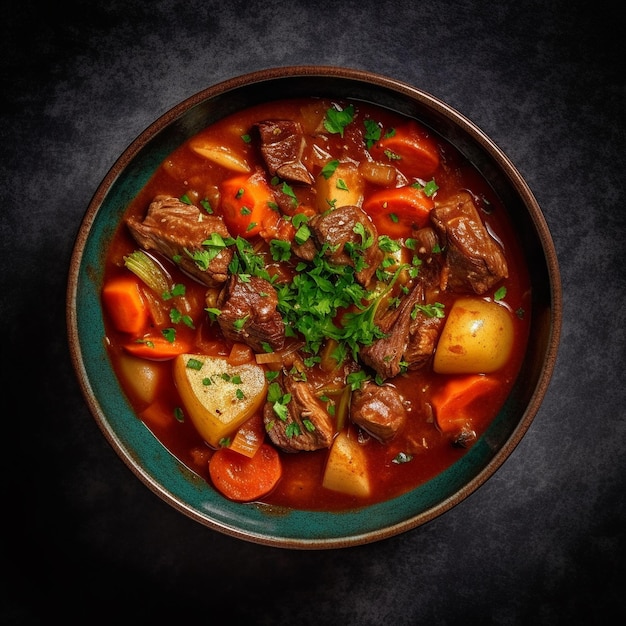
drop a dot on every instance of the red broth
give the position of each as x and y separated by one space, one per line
185 173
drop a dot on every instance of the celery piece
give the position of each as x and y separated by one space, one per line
146 269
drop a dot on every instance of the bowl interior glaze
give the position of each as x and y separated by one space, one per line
171 480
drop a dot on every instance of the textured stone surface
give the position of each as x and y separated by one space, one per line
542 542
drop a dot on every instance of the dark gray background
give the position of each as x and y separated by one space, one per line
542 542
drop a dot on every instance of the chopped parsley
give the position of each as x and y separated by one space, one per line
210 249
337 119
176 317
372 132
329 169
194 364
429 310
356 379
288 191
178 289
391 155
323 300
429 188
169 334
278 400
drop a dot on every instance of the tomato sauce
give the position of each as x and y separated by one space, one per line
188 173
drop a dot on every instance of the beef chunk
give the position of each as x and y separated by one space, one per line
249 313
336 228
474 260
424 333
386 354
316 429
306 251
378 410
426 242
171 227
282 145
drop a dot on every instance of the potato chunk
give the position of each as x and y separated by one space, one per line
477 338
344 187
142 377
217 396
346 468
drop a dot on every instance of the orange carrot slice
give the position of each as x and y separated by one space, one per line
125 304
453 402
410 149
249 437
247 203
396 212
244 479
157 415
157 348
240 353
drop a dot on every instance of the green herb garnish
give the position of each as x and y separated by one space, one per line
337 119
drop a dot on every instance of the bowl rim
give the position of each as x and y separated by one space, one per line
77 273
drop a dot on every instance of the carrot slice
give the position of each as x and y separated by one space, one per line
398 211
247 203
453 402
244 479
157 415
410 149
249 437
157 348
240 353
125 304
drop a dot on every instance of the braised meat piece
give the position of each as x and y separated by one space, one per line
172 228
426 242
378 410
282 145
385 355
424 333
336 228
307 426
474 260
306 251
249 313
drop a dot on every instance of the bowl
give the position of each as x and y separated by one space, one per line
174 482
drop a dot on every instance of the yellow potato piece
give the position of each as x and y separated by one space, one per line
142 377
217 396
477 338
346 468
343 188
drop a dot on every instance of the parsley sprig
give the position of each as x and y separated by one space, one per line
336 120
323 300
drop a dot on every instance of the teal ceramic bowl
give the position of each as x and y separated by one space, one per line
172 481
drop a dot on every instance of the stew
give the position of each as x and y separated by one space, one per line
316 304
